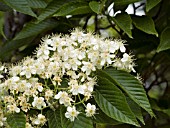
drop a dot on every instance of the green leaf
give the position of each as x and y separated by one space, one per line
123 2
16 120
64 83
157 108
21 6
120 7
151 3
5 51
56 119
166 111
73 8
129 84
135 109
2 27
102 118
37 3
124 21
32 29
113 102
164 40
83 122
51 8
145 24
4 7
95 6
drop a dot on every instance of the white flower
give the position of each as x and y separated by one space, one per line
74 63
40 120
23 85
43 52
90 110
72 74
28 125
76 88
15 78
106 57
120 45
61 95
93 56
90 84
15 70
126 58
71 113
27 71
39 66
113 47
13 108
63 98
81 55
39 87
88 67
48 94
38 102
128 62
122 48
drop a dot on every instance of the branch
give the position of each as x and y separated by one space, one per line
86 22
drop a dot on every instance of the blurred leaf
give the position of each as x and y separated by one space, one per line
16 120
51 8
145 24
124 21
135 109
20 6
123 2
95 6
167 111
151 3
4 7
154 105
32 29
37 3
2 27
157 108
73 8
164 40
128 84
5 51
102 118
113 102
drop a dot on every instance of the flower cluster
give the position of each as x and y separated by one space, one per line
61 72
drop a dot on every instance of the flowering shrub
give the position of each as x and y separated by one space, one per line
68 79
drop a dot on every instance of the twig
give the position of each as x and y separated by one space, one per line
86 22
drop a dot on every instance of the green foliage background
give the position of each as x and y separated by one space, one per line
24 22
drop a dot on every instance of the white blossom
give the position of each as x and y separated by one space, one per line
40 120
63 98
13 108
38 102
71 113
90 110
61 72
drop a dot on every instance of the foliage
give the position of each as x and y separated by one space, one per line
24 22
